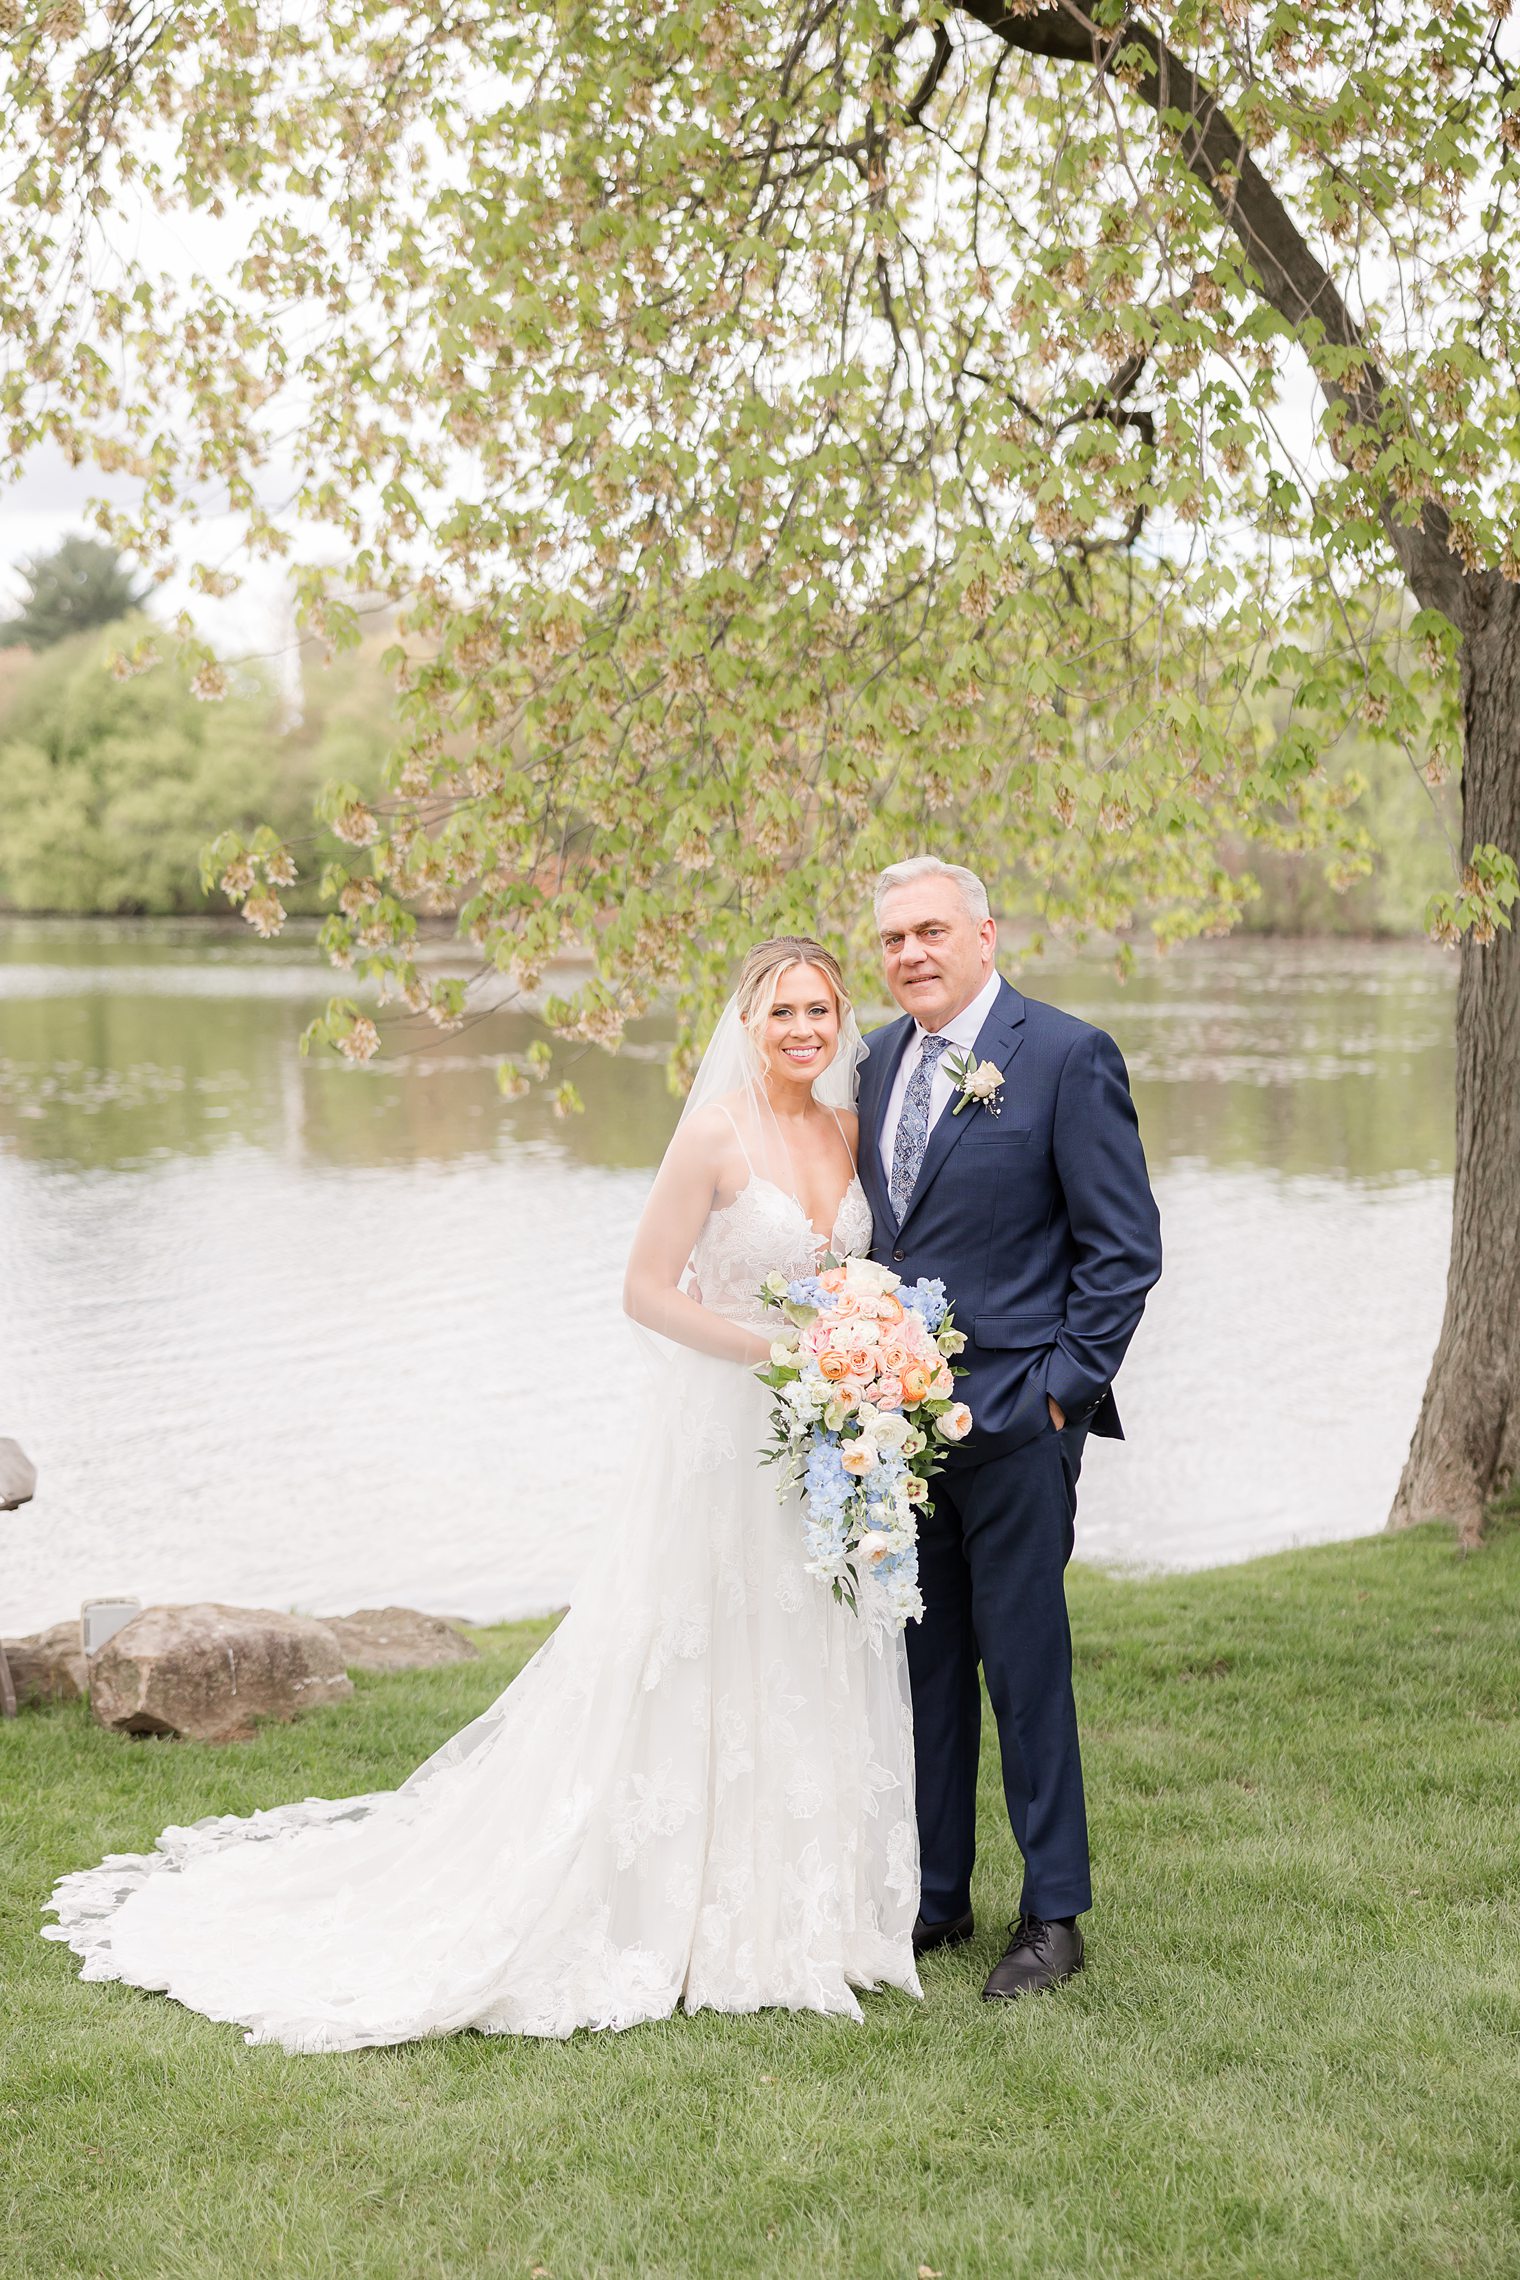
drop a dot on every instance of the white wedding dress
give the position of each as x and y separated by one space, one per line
699 1792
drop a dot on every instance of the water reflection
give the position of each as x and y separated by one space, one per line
117 1049
285 1329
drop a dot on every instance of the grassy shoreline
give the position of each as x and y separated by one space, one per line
1296 2049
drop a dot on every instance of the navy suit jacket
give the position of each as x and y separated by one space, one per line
1039 1220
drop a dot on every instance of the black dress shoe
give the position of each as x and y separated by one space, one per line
1041 1954
927 1937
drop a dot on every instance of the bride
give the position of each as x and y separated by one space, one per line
700 1790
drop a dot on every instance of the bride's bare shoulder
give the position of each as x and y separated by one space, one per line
729 1112
708 1133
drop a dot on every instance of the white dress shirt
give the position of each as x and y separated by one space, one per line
962 1032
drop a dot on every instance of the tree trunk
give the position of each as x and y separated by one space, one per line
1466 1446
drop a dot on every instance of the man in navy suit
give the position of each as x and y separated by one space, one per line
1028 1198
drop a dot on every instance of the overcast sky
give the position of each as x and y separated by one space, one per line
49 499
49 502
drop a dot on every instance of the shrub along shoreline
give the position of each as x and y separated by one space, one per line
110 788
1295 2051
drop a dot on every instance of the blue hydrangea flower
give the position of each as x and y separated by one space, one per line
928 1301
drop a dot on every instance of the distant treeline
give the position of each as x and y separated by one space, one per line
109 788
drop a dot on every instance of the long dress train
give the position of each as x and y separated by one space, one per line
699 1792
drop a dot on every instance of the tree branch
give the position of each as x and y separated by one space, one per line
1289 274
914 107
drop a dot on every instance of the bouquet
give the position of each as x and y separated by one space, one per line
866 1404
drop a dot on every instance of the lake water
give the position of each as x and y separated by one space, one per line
288 1333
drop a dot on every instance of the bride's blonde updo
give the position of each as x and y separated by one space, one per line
768 961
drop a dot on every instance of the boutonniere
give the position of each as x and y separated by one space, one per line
979 1084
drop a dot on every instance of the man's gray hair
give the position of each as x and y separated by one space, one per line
972 893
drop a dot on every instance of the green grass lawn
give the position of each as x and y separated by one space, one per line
1296 2049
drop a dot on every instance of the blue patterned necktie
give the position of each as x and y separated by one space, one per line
913 1126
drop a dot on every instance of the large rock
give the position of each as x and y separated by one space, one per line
210 1673
398 1638
50 1666
18 1476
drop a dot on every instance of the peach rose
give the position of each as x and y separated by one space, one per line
956 1422
859 1457
916 1381
944 1382
832 1280
887 1393
862 1363
893 1356
845 1304
833 1364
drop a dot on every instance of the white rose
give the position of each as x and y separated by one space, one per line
985 1080
870 1280
875 1544
890 1429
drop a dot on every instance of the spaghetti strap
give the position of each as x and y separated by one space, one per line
739 1136
849 1151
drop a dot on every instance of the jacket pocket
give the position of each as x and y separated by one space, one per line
988 1132
1008 1332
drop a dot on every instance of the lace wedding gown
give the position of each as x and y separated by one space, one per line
699 1792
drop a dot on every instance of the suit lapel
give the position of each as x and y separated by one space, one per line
998 1039
882 1065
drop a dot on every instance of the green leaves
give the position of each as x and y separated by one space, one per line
1482 903
774 472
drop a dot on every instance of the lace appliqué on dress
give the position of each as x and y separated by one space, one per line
700 1792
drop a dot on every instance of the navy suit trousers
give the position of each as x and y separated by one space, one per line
992 1555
